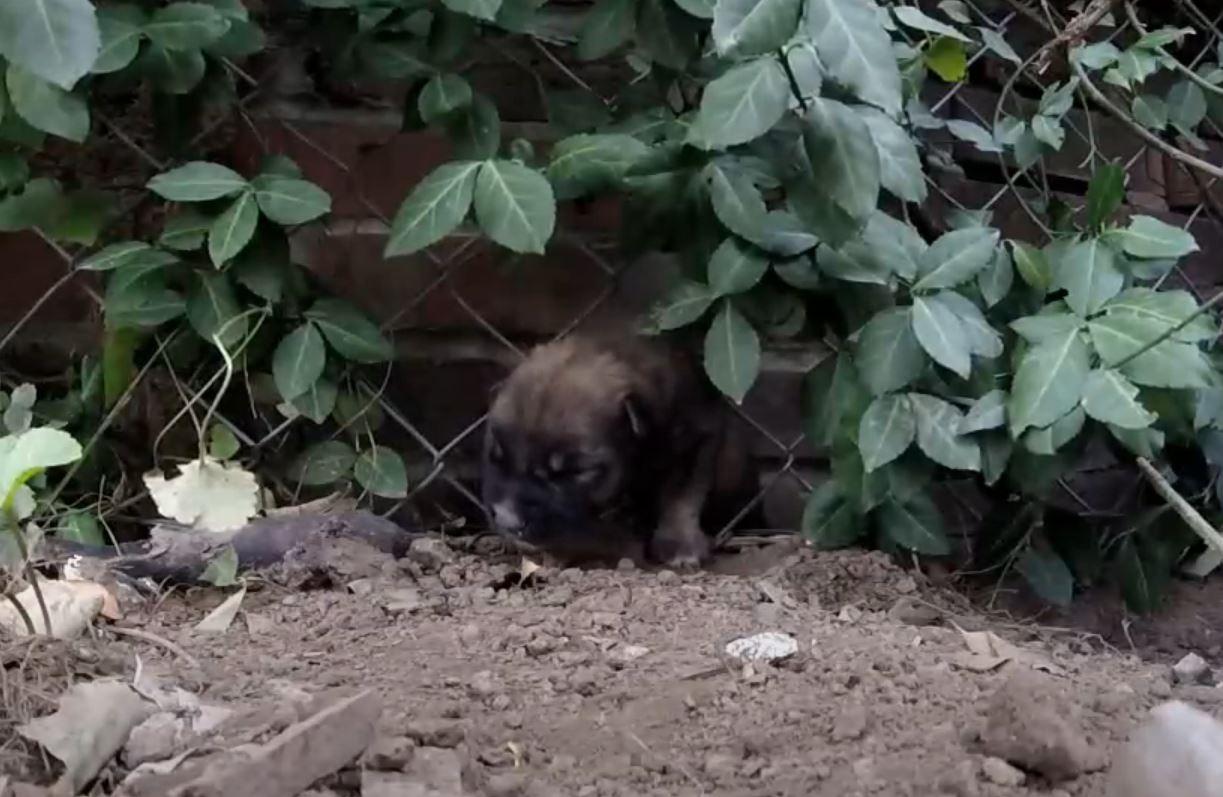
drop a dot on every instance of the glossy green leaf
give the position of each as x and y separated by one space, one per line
753 27
233 229
938 433
172 71
1111 398
213 309
1140 442
856 50
289 201
987 412
1089 273
833 401
1171 364
381 472
1186 105
1047 575
956 257
737 202
1049 381
57 40
298 361
318 402
480 9
941 334
1167 309
323 463
948 59
996 280
608 26
741 105
442 96
185 231
734 268
887 429
514 206
46 106
586 164
666 35
732 353
913 17
120 29
844 161
915 524
353 336
900 167
436 206
888 355
1105 193
684 305
186 26
117 255
221 442
829 520
475 132
1033 266
1147 236
198 181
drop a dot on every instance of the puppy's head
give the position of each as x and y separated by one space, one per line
562 435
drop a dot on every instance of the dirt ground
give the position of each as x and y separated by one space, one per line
615 682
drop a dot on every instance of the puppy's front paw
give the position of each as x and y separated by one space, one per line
685 550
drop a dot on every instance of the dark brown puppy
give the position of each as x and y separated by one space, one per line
604 447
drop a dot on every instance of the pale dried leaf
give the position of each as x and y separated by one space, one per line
72 605
221 618
207 495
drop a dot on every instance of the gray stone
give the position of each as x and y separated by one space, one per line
1192 669
1176 752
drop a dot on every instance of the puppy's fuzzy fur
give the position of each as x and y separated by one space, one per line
602 446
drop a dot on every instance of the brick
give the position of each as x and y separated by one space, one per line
31 268
1183 190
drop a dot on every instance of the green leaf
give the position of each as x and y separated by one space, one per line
443 95
587 164
844 161
186 26
515 206
393 60
1095 56
665 34
1186 105
1048 131
983 339
701 9
14 170
436 206
233 229
298 361
172 71
888 354
221 442
900 167
736 201
864 491
318 402
56 40
213 309
1033 266
475 133
1149 237
607 27
913 17
741 105
947 58
353 336
137 296
915 524
480 9
323 463
1047 575
1141 582
993 41
29 454
120 29
381 471
938 435
829 520
46 106
80 527
198 181
263 268
996 280
1141 442
1042 327
120 254
1171 364
1111 398
996 450
1150 112
974 134
684 305
833 401
38 203
941 334
753 27
1167 309
956 257
1049 381
854 262
732 353
186 231
856 50
783 235
289 201
1105 193
987 412
895 243
887 429
222 569
1088 271
734 268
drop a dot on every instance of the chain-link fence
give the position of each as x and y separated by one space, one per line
464 312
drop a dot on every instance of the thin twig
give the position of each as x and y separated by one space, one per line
1170 331
25 616
1191 516
1205 84
149 636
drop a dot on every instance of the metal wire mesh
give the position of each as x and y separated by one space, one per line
443 459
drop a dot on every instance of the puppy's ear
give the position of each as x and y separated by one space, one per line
635 415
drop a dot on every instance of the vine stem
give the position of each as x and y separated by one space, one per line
1182 507
795 89
31 575
25 616
1170 331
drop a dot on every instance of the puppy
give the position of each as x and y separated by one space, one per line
608 447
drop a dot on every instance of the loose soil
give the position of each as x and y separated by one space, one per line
615 682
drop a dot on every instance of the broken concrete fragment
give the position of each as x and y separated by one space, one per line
1192 669
1176 752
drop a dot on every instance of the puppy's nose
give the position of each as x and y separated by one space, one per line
506 516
